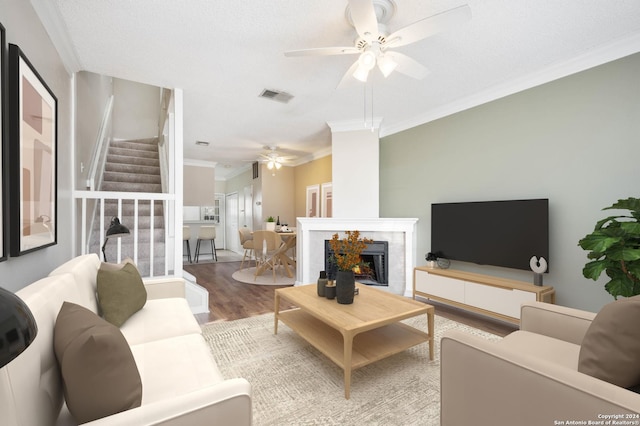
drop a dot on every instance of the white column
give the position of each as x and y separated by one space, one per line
355 169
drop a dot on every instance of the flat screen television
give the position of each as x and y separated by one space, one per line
497 233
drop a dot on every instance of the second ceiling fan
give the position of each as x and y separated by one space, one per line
374 44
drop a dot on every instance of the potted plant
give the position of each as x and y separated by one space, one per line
270 224
346 256
614 246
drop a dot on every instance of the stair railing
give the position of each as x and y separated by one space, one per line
172 260
164 132
99 156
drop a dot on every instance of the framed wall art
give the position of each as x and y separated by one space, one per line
33 123
313 201
327 199
3 142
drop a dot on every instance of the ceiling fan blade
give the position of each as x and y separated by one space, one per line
348 79
323 51
429 26
363 16
408 66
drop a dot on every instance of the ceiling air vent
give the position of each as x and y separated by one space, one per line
276 95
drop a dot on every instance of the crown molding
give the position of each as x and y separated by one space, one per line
54 25
599 56
354 125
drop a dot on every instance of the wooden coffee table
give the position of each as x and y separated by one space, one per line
358 334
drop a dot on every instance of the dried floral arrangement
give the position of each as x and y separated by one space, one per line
347 251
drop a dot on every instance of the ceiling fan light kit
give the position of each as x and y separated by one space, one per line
373 44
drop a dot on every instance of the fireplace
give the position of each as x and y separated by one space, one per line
375 259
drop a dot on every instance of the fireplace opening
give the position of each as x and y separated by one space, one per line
375 263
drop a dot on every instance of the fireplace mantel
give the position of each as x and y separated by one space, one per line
400 232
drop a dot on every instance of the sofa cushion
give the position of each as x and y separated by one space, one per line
99 374
160 319
84 269
611 346
543 347
121 292
176 366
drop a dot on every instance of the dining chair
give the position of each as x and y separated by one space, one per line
246 241
266 246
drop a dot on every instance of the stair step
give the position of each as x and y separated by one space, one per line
137 153
139 145
132 168
131 177
123 159
131 187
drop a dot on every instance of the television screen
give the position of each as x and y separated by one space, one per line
498 233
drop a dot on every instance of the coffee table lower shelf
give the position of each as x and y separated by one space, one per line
368 346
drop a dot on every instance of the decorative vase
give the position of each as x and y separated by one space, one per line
345 287
330 292
322 283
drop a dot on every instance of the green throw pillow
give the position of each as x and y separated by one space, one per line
121 292
611 346
98 370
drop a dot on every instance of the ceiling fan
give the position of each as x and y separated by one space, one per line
374 43
273 159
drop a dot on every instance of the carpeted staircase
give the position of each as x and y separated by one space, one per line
133 166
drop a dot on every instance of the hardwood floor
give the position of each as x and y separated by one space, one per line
230 300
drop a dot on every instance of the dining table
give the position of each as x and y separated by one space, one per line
288 242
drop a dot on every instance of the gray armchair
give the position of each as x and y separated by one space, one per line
528 378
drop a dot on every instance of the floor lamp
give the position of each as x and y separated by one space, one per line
116 229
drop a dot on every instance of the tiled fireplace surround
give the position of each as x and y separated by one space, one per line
399 232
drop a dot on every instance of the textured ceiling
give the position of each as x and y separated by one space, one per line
223 53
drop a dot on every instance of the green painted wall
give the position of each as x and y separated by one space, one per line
575 141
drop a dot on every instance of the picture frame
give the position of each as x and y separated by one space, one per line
326 190
33 157
3 144
313 201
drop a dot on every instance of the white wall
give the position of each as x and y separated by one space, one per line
136 110
92 93
25 29
574 141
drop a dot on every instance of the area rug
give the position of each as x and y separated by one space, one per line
247 275
294 384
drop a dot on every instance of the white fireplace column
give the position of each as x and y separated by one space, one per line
355 150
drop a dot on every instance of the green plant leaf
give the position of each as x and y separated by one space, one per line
592 270
624 253
598 242
600 224
631 228
626 204
620 286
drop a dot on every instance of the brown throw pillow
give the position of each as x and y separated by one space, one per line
611 346
121 292
99 373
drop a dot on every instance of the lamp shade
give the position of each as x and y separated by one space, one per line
116 229
17 327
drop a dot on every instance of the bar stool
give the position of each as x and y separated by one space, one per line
207 233
186 236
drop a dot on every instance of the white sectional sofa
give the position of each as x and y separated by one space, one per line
181 383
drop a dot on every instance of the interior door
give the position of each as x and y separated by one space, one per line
231 230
